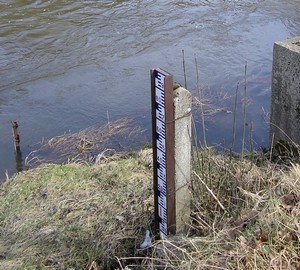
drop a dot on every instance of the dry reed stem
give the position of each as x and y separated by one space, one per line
210 191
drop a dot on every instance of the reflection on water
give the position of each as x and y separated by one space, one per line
66 65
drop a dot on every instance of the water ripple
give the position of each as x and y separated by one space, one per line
79 58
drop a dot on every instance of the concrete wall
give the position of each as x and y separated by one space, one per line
285 103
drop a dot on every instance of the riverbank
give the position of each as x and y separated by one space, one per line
94 216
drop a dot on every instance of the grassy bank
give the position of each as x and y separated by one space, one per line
74 216
246 215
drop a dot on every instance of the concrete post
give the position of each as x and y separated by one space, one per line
183 117
285 104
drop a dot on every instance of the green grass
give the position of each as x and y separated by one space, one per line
78 216
68 216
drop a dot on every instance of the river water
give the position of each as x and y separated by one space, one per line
66 65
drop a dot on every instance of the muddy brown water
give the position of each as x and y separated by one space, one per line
67 65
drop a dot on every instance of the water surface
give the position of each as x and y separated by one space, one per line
66 65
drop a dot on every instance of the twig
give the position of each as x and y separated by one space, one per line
119 262
244 112
7 176
184 72
271 146
251 137
210 191
94 266
201 105
108 122
234 118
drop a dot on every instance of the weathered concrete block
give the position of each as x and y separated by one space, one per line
183 119
285 103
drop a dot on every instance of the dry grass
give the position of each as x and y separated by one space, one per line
245 215
89 144
74 216
211 103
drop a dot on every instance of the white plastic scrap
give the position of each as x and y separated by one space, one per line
147 242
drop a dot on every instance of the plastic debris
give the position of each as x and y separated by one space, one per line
147 241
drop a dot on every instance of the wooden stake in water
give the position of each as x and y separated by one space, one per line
16 135
16 138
